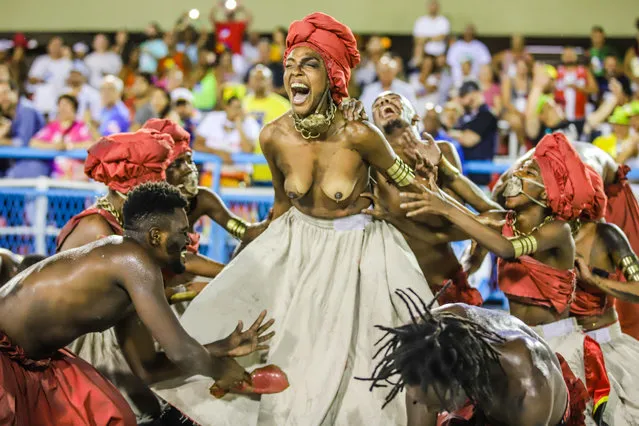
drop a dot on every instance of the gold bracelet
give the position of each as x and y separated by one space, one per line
524 245
400 173
236 227
630 267
448 169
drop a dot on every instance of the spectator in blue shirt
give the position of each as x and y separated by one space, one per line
114 117
20 121
476 131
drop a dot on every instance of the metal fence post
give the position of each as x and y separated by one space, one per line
40 217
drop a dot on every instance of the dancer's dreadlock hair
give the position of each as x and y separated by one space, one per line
445 351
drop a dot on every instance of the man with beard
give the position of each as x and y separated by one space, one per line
396 117
109 282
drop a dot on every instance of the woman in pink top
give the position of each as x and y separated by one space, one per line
63 134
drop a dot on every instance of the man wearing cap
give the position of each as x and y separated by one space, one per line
182 100
618 144
476 131
114 116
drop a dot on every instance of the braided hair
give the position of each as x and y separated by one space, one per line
442 351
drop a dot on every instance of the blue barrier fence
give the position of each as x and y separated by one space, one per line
33 211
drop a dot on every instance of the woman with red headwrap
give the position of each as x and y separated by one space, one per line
547 195
325 271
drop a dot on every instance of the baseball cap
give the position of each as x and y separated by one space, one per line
467 87
181 94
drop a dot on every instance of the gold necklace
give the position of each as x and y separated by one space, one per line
518 233
104 204
314 125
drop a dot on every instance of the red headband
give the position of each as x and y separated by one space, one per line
125 160
180 137
334 42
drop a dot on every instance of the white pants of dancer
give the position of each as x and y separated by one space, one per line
621 353
327 283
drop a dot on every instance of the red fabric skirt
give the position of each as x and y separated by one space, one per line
460 291
62 390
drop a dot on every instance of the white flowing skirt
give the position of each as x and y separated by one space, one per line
327 283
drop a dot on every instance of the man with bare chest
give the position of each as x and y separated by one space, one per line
396 117
90 289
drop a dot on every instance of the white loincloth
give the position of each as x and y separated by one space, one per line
566 338
327 283
621 353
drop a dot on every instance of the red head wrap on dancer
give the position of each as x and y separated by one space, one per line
567 183
180 137
334 42
597 209
124 160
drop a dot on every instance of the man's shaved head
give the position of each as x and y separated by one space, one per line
392 110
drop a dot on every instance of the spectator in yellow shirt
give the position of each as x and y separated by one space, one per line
613 143
265 106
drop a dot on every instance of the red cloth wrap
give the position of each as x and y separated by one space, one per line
623 211
590 300
334 42
459 291
577 396
75 220
265 380
597 209
597 381
539 284
180 137
124 160
62 390
567 183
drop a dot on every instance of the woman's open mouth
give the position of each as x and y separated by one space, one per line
300 93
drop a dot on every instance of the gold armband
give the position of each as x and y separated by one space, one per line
630 268
237 228
448 169
524 245
400 173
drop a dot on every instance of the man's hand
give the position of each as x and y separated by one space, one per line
616 89
426 170
427 147
232 374
584 274
353 110
241 343
428 202
378 211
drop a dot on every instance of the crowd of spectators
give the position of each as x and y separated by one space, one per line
222 81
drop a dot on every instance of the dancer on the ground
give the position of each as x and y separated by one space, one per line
93 288
468 365
325 271
537 250
396 117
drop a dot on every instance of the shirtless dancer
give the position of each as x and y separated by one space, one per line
484 366
537 252
78 292
396 117
622 210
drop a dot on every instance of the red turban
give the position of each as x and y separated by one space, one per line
180 137
334 42
568 185
598 208
124 160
